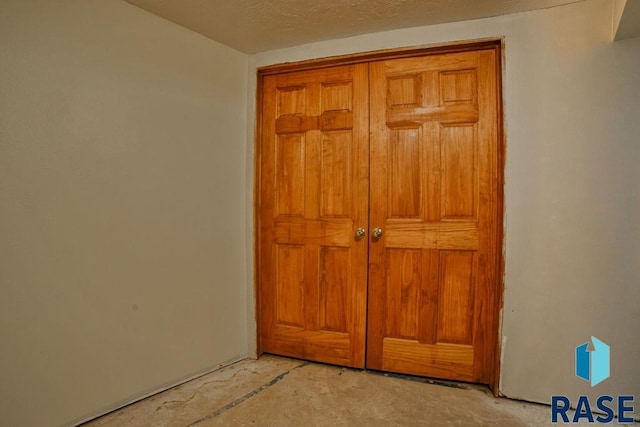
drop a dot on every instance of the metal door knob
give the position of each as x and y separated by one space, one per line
360 233
376 233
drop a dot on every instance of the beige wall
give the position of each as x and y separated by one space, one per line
126 190
572 188
122 207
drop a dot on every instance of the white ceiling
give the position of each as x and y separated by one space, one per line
258 25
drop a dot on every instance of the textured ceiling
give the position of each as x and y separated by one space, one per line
258 25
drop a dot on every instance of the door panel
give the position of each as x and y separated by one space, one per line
433 192
313 195
409 146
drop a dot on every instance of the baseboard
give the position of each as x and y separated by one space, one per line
164 387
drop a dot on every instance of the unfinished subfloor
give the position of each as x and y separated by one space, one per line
277 391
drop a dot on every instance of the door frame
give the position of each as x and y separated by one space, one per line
496 44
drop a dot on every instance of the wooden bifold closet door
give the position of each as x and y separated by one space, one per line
378 211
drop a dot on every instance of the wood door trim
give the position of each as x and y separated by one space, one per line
496 44
380 55
257 162
501 212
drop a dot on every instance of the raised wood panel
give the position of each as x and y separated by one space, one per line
432 235
429 296
405 184
290 166
437 360
289 285
312 345
457 87
327 121
291 100
412 117
404 90
335 173
337 96
404 278
334 298
459 171
455 305
331 121
325 232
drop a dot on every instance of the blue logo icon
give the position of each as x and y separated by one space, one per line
592 365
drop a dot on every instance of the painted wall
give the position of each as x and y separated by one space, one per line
125 200
572 188
122 207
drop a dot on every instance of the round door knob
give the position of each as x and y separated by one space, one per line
360 233
376 233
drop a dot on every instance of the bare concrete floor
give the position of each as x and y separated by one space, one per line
276 391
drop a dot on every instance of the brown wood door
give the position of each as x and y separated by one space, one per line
313 196
434 192
424 130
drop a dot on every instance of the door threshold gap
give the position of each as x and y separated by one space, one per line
424 380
